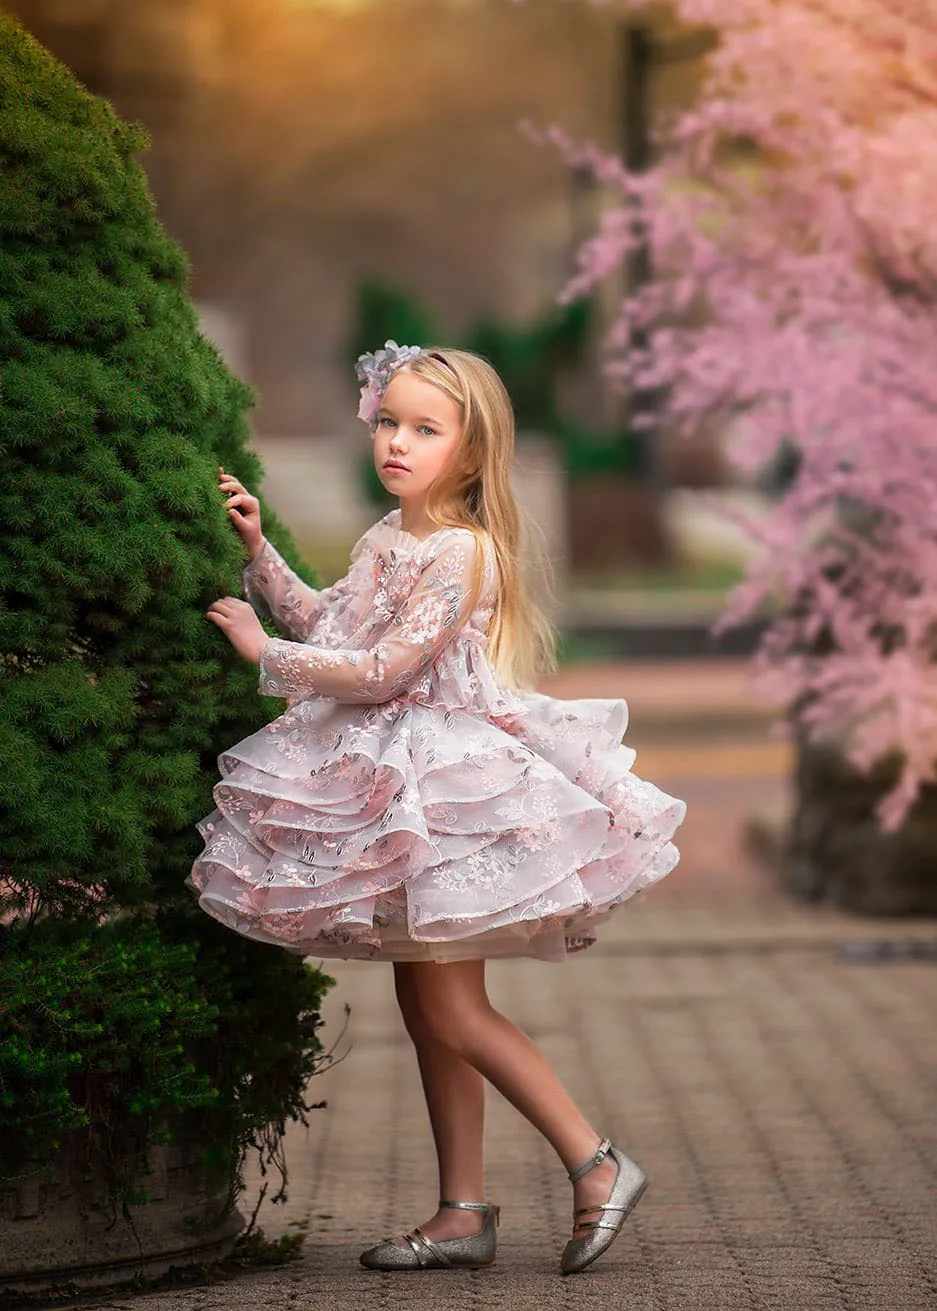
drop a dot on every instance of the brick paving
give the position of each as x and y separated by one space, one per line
781 1099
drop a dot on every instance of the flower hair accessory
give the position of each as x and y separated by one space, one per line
376 371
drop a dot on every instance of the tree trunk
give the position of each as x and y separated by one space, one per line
835 850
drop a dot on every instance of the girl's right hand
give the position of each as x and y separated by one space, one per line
246 519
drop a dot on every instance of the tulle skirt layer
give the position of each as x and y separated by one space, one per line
413 831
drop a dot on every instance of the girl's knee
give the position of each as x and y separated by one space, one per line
457 1024
454 1035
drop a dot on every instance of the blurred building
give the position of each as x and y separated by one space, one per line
300 145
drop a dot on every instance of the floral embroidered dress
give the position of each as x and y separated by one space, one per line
406 806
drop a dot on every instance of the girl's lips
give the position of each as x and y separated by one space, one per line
392 464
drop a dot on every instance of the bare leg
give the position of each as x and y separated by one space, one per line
455 1010
455 1099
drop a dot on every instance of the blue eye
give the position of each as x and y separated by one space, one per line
386 418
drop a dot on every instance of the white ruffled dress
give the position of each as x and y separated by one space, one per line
406 806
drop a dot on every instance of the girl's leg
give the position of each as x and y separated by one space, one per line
455 1010
455 1099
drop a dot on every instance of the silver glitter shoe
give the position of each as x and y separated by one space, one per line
630 1183
424 1253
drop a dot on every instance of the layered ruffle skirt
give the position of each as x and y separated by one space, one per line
508 825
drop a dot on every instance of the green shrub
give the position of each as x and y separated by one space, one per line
531 358
383 314
111 1029
120 1002
587 451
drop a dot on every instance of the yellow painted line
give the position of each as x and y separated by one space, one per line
716 759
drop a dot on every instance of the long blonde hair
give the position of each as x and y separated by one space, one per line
474 491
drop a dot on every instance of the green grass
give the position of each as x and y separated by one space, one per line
574 647
700 575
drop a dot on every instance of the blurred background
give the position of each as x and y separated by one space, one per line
342 171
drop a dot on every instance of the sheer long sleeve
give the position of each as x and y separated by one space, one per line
274 590
433 613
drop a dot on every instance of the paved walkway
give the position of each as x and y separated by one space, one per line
781 1098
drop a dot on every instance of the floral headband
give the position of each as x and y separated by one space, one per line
376 370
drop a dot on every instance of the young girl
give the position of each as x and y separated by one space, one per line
419 803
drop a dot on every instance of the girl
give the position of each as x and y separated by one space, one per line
418 802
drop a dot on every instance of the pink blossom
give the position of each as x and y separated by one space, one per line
795 299
370 402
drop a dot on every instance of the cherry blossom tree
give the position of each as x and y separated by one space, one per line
789 222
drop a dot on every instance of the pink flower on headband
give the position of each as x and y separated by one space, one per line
371 395
376 371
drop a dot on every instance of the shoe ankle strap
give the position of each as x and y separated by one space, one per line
467 1206
595 1159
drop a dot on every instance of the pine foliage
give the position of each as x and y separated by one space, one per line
116 692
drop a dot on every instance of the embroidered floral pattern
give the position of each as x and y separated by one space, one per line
429 618
406 806
275 591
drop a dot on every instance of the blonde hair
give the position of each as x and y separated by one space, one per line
474 491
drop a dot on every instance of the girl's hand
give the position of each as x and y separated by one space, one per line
246 519
240 626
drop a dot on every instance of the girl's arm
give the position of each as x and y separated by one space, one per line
272 588
434 612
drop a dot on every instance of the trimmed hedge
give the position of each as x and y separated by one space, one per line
122 1005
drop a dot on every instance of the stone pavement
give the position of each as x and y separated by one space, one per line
783 1100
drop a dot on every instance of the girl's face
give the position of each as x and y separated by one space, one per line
418 428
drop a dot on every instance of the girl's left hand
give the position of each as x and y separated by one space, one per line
240 625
